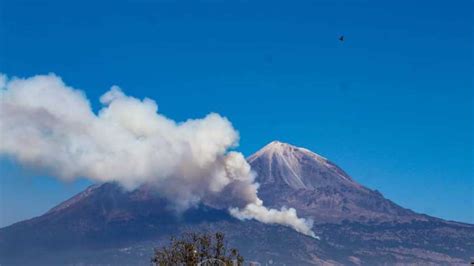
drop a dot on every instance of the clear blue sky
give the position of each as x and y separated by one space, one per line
392 105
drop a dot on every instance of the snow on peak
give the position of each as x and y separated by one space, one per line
295 166
280 148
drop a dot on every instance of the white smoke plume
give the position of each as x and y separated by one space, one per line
284 216
46 124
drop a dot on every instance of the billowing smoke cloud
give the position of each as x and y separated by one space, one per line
46 124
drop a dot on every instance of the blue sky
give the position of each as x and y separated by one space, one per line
392 104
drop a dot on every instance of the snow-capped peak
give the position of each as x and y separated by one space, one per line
295 166
281 148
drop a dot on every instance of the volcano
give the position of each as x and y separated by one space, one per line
316 187
105 224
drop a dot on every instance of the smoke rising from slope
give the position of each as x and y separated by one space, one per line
46 124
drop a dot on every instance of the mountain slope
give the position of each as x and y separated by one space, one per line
106 225
296 177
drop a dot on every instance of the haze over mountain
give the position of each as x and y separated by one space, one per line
357 225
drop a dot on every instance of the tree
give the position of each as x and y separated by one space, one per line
193 249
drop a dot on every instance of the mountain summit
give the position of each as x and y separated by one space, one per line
283 164
297 177
358 226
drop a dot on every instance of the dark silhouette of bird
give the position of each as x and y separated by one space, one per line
341 38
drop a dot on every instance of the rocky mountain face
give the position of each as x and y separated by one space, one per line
105 225
297 177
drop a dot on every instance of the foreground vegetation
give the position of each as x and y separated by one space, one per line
197 249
